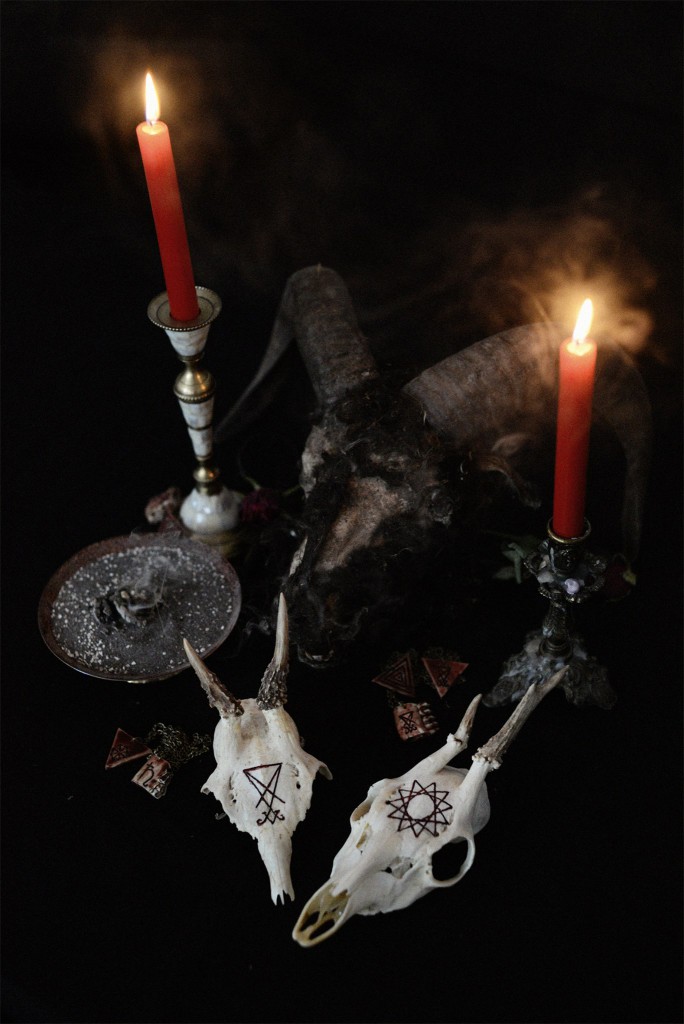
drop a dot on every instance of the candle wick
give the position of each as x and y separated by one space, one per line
578 345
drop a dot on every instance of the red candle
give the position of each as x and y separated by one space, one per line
162 184
576 389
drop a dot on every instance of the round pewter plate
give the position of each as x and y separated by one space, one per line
188 591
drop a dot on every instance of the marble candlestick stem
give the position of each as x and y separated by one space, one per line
210 511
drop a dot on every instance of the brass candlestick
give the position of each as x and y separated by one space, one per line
210 511
567 575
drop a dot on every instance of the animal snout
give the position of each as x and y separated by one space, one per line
321 624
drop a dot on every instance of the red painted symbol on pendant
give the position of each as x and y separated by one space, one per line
414 720
125 748
398 677
443 674
154 776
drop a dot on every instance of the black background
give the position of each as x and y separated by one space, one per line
432 154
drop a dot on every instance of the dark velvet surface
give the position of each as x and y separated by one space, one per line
463 166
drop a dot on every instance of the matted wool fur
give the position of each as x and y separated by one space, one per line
390 474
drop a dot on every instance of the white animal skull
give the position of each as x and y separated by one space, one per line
263 778
386 862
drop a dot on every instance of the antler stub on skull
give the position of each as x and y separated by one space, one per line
219 697
273 690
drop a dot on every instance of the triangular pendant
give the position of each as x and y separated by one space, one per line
443 674
398 677
125 748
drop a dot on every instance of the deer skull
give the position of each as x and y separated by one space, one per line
263 778
386 862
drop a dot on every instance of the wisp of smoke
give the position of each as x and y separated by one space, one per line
541 265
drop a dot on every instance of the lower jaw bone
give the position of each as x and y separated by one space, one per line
324 913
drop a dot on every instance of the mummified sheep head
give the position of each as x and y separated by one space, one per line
263 778
382 467
386 863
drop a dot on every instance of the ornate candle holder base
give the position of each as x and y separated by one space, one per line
210 511
205 516
567 575
585 682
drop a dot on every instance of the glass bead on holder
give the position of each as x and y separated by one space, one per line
567 574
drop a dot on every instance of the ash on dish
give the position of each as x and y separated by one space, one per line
126 613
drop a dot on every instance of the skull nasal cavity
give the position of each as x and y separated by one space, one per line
317 928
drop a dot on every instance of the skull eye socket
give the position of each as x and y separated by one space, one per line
361 811
440 504
448 861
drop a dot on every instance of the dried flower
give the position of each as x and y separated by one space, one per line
260 506
619 579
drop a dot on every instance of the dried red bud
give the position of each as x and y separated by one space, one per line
618 579
260 506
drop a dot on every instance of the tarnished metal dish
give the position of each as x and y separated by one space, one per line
119 609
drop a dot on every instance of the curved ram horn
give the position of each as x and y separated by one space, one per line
317 310
491 388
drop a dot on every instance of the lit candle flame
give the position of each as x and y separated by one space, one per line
583 324
151 101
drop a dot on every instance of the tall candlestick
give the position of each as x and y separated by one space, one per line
576 389
162 184
210 511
